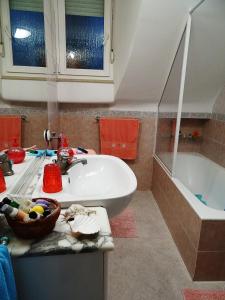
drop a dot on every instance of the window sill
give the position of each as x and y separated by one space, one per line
57 78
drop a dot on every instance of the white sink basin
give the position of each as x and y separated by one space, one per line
105 181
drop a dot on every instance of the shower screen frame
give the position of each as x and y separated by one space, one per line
187 32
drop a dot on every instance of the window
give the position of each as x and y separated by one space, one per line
27 33
84 34
80 30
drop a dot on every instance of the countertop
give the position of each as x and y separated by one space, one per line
60 241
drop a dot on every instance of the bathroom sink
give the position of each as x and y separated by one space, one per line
104 181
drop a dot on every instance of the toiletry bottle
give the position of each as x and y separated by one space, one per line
10 202
13 212
6 200
16 153
26 205
65 150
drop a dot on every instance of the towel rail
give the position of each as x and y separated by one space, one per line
97 118
23 117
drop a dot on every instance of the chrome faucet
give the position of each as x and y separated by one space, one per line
5 164
65 164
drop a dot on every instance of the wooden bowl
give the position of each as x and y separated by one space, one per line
39 228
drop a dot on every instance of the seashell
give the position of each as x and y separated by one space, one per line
79 210
85 224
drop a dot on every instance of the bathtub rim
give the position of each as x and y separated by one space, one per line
204 212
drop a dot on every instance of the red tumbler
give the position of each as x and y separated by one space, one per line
52 180
2 182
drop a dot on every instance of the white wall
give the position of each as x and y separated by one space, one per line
205 75
36 91
126 15
158 29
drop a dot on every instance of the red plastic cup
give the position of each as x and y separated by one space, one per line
52 180
2 182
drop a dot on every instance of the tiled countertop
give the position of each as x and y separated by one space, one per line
60 241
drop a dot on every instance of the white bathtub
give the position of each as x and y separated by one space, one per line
196 174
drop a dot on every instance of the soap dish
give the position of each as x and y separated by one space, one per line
84 224
82 221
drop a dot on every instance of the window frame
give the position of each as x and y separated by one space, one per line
62 41
8 66
54 13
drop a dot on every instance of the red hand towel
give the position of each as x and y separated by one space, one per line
119 137
10 128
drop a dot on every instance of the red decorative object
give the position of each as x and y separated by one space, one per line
2 182
16 153
65 150
195 134
52 180
119 137
10 127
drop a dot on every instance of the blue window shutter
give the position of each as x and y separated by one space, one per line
26 5
91 8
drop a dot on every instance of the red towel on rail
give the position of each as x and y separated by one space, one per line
119 137
10 128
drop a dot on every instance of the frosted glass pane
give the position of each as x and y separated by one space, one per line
28 38
168 108
84 39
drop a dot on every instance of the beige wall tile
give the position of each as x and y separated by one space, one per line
83 130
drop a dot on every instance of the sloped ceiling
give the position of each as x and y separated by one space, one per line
154 29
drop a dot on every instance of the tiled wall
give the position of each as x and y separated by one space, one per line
188 126
166 133
81 127
200 243
211 142
213 145
219 106
79 123
164 139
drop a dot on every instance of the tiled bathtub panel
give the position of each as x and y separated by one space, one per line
212 236
210 266
207 262
187 217
83 130
182 210
187 251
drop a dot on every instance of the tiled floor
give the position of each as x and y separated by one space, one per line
149 267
